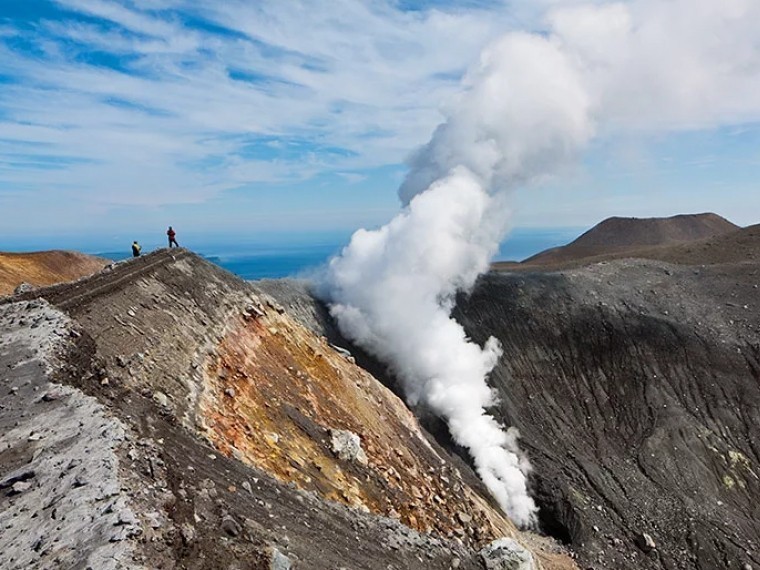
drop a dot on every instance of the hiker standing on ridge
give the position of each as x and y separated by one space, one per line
171 233
136 249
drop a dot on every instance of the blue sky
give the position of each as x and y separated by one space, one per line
240 117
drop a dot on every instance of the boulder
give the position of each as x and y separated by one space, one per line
161 399
507 554
230 526
645 542
342 351
23 288
347 446
279 561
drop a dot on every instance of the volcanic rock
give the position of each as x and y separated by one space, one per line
506 554
161 399
347 446
23 288
19 487
645 542
263 455
279 561
230 526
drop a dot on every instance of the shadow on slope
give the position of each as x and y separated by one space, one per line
636 388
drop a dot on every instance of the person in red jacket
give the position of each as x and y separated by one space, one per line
172 240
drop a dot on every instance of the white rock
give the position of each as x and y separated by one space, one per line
645 542
347 446
279 561
507 554
19 487
161 399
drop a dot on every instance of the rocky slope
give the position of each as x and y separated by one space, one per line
636 387
58 459
165 414
635 384
45 268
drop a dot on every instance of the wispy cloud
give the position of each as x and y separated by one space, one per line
109 106
165 101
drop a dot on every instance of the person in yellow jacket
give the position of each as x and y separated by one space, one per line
136 249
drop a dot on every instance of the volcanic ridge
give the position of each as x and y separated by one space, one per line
163 413
628 237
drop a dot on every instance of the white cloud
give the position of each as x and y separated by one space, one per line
663 66
361 83
146 103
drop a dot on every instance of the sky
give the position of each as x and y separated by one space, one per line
236 117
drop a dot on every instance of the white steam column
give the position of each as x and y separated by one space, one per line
392 290
528 107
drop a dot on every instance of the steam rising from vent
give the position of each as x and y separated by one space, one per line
528 107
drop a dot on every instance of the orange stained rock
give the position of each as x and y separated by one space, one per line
273 393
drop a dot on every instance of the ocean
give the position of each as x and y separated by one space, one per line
273 257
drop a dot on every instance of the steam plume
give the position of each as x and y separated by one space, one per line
529 106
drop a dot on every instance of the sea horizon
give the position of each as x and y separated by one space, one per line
272 256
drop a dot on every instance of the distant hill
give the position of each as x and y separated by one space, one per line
734 247
633 237
45 268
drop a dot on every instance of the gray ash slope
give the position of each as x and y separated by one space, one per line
636 388
635 385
